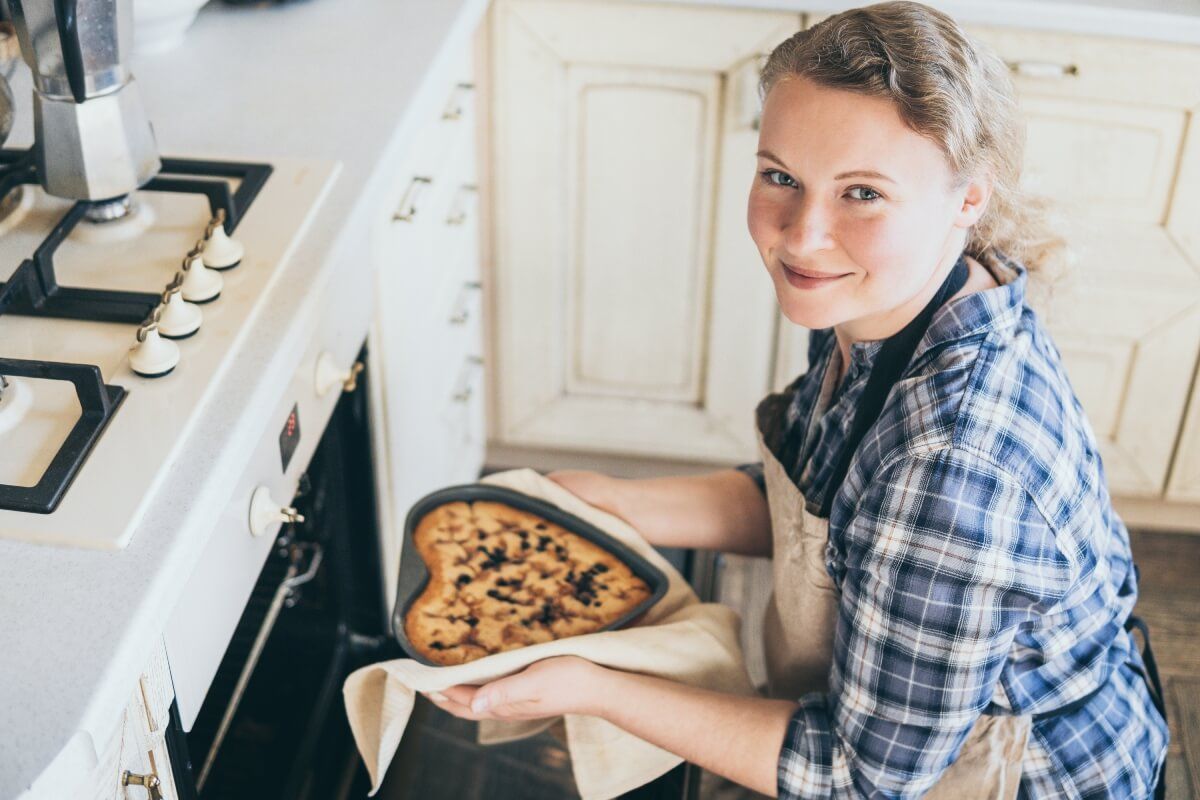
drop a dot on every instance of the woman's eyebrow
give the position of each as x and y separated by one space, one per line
863 173
858 173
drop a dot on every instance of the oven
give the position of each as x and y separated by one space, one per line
272 723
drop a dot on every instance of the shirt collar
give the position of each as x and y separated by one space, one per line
997 308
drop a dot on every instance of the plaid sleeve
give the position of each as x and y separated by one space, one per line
755 471
945 555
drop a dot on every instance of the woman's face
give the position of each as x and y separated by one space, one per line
847 193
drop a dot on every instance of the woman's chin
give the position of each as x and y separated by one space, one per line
807 314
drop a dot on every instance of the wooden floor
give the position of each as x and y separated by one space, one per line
1169 601
444 761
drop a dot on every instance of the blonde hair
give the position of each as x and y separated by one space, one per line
946 87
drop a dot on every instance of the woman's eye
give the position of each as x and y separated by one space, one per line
774 176
870 195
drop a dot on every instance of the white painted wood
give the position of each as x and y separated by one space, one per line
426 341
1106 68
635 298
1127 321
1183 225
1185 474
633 314
1155 514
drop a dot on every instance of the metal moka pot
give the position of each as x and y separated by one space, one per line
93 139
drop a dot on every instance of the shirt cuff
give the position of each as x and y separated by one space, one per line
755 471
807 758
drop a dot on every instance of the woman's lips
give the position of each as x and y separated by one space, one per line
807 279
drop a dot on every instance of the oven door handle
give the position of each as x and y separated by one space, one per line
286 589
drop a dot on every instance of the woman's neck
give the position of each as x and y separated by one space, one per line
893 320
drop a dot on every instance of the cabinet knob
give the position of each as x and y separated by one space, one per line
462 308
466 384
454 106
408 204
150 782
1042 69
264 511
461 205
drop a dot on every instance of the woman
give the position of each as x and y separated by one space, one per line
952 586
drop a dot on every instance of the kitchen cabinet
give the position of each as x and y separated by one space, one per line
426 342
1111 140
1107 124
136 745
633 314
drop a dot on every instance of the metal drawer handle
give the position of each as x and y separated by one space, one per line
462 312
151 782
1043 69
461 204
408 204
454 106
463 395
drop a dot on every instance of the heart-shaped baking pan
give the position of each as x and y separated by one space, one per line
414 574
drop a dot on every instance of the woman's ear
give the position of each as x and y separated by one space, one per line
974 194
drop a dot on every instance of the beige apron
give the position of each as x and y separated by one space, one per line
799 625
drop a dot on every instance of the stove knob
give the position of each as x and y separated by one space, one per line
153 356
200 284
220 251
264 512
180 319
329 376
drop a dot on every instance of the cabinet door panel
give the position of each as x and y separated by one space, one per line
633 312
1184 228
1106 142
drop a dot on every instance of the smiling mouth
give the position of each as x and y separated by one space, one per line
804 273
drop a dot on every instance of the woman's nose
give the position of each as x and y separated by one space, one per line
807 228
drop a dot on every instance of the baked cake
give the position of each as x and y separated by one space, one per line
501 578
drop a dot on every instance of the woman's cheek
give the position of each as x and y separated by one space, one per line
761 219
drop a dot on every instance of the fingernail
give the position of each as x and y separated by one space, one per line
441 698
480 704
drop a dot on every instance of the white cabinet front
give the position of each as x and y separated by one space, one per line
633 313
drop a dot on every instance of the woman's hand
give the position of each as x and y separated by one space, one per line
547 688
738 737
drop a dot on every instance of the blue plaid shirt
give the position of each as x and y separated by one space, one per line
980 565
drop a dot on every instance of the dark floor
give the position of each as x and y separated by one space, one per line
444 761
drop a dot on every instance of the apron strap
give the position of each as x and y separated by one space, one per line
889 365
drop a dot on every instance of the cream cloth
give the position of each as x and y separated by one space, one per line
680 639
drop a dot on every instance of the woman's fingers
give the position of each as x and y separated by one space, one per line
451 706
462 694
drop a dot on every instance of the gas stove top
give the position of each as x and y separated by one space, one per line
95 400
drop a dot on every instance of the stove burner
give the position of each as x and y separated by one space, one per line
109 210
138 219
97 402
33 290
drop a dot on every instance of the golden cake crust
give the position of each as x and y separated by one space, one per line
501 578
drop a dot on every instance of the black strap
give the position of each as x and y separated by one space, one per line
1156 690
889 365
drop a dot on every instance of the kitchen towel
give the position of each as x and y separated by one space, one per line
680 639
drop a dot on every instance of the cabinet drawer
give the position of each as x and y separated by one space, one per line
435 143
1108 68
1097 67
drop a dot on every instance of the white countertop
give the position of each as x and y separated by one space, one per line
327 79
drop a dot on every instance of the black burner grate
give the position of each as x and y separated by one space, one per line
33 290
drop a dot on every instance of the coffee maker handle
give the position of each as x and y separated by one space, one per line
72 47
